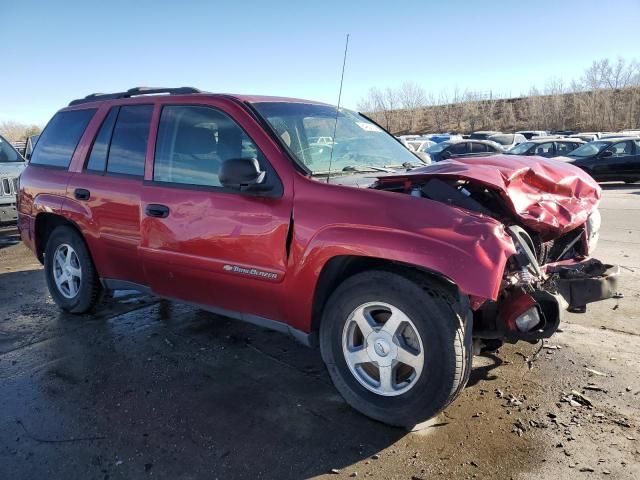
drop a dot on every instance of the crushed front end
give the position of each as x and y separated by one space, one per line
550 211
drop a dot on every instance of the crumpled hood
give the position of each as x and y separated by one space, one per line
549 196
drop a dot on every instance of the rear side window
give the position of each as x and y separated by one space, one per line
480 148
59 140
98 157
129 140
565 147
458 148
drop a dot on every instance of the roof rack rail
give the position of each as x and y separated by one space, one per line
132 92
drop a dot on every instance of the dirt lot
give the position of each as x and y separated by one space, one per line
159 390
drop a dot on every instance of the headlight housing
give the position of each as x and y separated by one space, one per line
592 230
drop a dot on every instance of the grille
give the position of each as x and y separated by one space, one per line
8 186
550 251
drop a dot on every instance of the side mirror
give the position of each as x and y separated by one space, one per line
446 155
242 174
606 154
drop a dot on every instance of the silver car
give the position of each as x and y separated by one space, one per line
11 165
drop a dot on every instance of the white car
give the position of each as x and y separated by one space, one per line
420 145
11 166
529 134
508 140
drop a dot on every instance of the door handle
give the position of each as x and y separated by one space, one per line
82 193
157 210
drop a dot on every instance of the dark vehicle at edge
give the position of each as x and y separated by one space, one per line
613 159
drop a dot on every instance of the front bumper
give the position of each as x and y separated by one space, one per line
8 214
585 282
569 285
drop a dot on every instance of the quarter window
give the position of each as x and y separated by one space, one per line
129 140
59 140
192 143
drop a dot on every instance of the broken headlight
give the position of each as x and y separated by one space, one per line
592 230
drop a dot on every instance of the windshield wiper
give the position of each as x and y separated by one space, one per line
366 168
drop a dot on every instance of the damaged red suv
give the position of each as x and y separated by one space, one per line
295 216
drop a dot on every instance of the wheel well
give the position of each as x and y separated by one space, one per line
45 224
338 269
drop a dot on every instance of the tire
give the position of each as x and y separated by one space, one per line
75 295
445 343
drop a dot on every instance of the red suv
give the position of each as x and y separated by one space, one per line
315 222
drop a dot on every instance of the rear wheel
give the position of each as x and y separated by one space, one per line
395 349
71 276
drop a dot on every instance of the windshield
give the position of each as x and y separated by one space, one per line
502 139
522 148
8 153
589 149
359 144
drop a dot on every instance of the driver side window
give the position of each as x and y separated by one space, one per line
194 141
544 150
621 149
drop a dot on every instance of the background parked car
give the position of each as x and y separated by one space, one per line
462 148
546 147
443 137
586 136
529 134
11 165
483 134
420 145
30 145
613 159
508 140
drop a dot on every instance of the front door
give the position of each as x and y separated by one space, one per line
204 243
618 165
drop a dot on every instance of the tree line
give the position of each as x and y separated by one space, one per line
16 131
605 98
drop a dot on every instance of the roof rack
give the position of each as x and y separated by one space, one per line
132 92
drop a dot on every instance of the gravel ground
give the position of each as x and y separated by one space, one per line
162 390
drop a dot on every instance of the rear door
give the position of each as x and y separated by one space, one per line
106 192
204 243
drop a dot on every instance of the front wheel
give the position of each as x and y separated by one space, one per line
71 276
395 349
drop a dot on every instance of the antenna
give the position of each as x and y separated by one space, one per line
335 125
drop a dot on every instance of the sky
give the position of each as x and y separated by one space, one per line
56 50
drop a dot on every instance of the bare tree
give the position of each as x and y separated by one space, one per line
605 97
16 131
412 99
